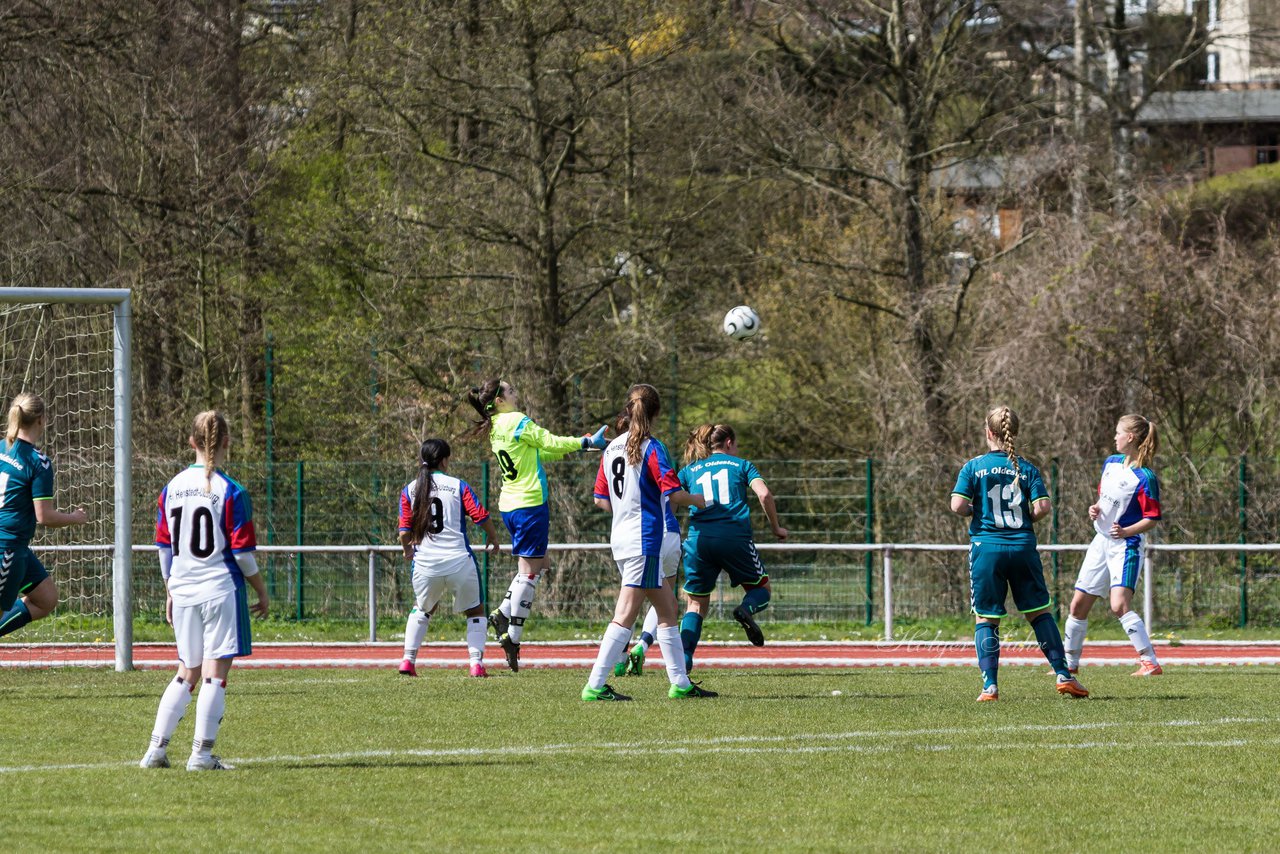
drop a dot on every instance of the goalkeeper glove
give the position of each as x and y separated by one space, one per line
595 440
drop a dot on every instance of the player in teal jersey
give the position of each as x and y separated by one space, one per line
521 447
26 500
720 535
1004 494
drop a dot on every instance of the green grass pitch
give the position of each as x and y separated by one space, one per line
900 759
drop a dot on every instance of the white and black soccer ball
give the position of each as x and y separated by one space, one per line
741 322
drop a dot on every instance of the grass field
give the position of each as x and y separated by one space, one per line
335 760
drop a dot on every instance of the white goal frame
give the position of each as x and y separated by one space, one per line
122 345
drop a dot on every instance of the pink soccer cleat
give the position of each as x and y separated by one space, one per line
478 670
1147 668
407 668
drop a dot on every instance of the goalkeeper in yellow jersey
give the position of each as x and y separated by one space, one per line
521 447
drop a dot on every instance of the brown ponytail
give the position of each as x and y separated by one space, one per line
1144 430
705 440
481 397
640 410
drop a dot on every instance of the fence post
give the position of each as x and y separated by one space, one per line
1148 578
484 574
373 596
869 532
270 407
1243 482
1053 536
888 592
299 560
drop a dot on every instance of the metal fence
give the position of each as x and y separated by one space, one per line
855 504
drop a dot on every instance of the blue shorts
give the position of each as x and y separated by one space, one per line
20 570
530 529
995 570
705 556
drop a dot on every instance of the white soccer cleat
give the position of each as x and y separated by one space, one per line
154 759
207 763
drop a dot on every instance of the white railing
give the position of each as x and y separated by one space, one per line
886 551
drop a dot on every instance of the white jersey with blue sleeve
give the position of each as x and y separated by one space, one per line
453 502
205 531
637 496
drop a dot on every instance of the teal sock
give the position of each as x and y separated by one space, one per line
757 599
16 617
1050 640
986 638
690 632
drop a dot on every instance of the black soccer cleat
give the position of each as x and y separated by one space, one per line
499 622
749 625
512 651
693 691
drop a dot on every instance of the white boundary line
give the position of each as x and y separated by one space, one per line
759 745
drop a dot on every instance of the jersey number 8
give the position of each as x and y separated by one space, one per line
619 469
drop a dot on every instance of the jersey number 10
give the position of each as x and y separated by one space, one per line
201 544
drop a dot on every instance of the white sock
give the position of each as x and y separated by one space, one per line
173 705
522 590
673 655
505 605
477 631
415 632
612 647
1137 631
210 705
650 626
1073 639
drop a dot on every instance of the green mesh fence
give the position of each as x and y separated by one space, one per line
1212 500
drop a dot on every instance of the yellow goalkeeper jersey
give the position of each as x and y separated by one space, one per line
521 447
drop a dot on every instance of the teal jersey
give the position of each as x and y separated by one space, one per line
26 476
1001 512
725 482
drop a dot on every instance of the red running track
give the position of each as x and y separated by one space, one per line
795 654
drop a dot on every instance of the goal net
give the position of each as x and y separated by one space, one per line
70 346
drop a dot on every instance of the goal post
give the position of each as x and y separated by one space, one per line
31 356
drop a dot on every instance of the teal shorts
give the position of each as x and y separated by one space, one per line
20 571
996 570
705 557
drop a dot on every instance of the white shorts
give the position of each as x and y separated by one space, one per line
643 571
216 629
1110 563
460 577
670 553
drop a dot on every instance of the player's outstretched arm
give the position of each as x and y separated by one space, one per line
680 498
50 518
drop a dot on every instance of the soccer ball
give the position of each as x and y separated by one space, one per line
741 322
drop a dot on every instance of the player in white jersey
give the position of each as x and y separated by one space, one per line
635 474
633 663
204 531
434 509
1128 506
